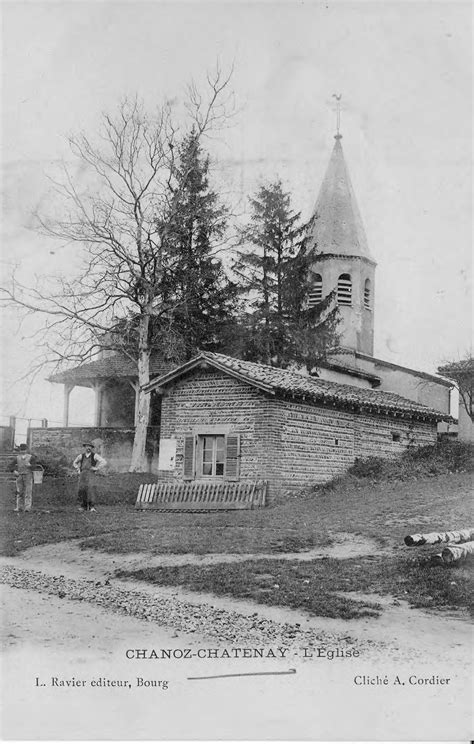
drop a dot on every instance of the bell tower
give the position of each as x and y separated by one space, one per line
342 260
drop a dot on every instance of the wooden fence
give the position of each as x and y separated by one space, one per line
201 496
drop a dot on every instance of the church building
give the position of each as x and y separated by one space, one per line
287 427
343 262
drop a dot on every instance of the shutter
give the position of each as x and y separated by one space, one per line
188 469
232 457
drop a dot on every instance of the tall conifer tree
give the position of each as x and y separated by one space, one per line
275 276
195 284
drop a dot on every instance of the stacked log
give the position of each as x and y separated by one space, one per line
434 538
460 545
454 553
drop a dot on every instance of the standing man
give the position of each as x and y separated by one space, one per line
87 465
22 466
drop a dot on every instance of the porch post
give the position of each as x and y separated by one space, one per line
67 393
97 387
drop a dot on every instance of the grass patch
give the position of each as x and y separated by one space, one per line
385 511
377 500
317 586
283 583
55 516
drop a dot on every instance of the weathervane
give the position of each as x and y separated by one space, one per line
338 135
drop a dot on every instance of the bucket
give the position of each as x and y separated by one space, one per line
38 475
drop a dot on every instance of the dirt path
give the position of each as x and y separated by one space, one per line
71 556
76 621
400 629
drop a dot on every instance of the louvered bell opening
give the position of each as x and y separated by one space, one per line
344 290
315 294
367 298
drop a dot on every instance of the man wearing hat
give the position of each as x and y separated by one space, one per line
87 464
22 467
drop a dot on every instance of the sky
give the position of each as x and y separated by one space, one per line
404 72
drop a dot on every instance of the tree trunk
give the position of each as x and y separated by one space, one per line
433 538
454 554
139 462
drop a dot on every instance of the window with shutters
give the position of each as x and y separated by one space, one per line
210 456
315 294
367 297
344 290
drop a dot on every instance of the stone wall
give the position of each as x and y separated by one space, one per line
206 402
289 444
386 436
7 437
318 443
115 444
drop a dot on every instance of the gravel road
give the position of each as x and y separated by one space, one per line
210 622
66 620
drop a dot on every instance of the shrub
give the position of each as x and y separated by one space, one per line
442 458
438 459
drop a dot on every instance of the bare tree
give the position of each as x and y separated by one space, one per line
462 374
119 215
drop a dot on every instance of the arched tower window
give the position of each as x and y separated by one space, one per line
344 290
367 295
315 295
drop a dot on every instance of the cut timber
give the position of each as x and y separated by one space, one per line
201 496
455 553
433 538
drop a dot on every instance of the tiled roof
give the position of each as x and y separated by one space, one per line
338 227
112 367
312 390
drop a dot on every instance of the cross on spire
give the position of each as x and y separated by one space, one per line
338 97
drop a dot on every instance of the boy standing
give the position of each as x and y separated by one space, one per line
22 467
87 464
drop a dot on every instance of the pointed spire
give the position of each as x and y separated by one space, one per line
337 227
338 134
